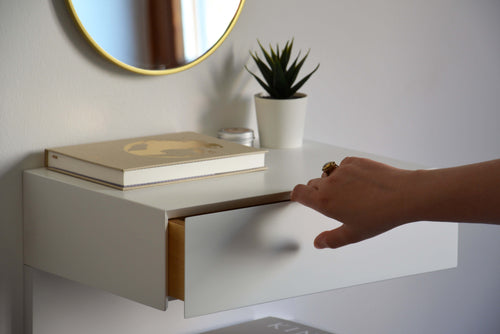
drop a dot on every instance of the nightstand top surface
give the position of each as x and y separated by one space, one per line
286 168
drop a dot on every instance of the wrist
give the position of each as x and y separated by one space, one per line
416 191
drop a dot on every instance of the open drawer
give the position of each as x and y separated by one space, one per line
241 257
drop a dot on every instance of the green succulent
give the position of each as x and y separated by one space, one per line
279 78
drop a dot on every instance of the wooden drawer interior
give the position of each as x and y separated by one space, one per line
175 258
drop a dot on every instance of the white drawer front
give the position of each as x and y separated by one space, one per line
253 255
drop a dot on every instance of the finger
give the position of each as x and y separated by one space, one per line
304 194
348 160
314 183
335 238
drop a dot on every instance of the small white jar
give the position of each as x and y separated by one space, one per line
241 136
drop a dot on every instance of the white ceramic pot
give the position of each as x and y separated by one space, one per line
281 121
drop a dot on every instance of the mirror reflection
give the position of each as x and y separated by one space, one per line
156 35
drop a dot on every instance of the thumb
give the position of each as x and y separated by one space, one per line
335 238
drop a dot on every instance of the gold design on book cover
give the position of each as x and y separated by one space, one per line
172 148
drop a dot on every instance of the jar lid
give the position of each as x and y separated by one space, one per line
235 134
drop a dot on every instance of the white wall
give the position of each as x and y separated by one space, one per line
414 80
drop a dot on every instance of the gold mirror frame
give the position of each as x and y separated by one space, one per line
135 69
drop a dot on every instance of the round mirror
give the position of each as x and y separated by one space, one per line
155 36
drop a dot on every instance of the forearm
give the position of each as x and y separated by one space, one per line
469 193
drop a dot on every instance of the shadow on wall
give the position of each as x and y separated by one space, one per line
11 244
226 106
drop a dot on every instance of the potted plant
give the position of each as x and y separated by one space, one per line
280 112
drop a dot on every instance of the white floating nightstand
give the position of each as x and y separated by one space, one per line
218 243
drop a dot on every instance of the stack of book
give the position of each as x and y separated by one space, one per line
141 162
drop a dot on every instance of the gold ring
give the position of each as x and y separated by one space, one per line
329 167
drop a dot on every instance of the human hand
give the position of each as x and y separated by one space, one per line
368 197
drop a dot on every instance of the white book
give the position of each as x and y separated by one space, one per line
139 162
269 325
